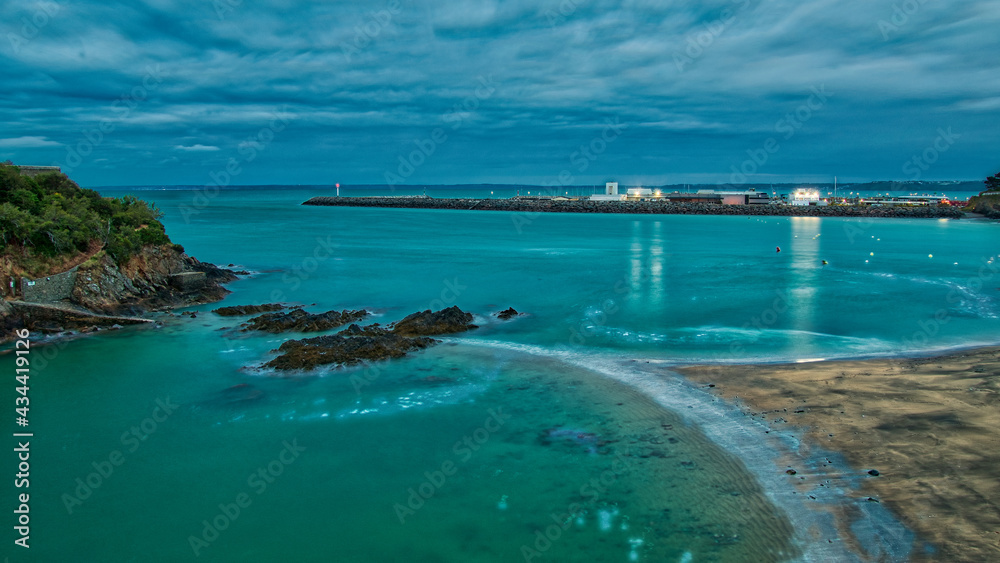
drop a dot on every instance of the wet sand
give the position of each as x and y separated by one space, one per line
930 427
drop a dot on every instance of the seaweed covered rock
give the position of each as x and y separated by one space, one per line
427 323
299 320
370 330
241 310
356 344
310 353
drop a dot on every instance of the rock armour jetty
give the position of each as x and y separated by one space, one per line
531 205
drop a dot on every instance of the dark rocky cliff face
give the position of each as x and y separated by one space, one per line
155 278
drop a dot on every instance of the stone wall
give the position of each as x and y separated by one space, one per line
50 289
36 170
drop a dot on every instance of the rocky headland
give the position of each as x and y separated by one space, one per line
74 259
155 278
103 294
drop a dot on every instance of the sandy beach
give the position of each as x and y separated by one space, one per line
929 428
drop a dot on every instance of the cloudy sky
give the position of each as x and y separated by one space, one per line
519 91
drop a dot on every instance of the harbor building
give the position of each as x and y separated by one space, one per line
610 193
804 197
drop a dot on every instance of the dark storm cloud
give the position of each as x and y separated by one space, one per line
167 91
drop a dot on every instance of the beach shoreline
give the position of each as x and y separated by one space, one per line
820 528
926 427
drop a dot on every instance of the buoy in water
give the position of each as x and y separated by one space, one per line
825 262
778 248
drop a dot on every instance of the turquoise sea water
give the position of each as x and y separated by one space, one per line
521 435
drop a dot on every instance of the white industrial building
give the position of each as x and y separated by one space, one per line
610 193
739 197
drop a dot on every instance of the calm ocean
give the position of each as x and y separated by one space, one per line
544 438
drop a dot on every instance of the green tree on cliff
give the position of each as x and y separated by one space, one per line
993 183
50 215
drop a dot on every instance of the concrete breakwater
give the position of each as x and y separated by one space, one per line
527 205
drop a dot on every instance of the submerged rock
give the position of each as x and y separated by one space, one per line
310 353
588 440
508 314
427 323
300 321
240 310
240 393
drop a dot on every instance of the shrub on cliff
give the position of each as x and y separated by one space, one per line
50 215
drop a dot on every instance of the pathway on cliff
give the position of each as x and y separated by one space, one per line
73 313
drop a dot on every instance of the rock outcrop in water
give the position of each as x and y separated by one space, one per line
298 320
510 313
243 310
337 349
427 323
356 344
